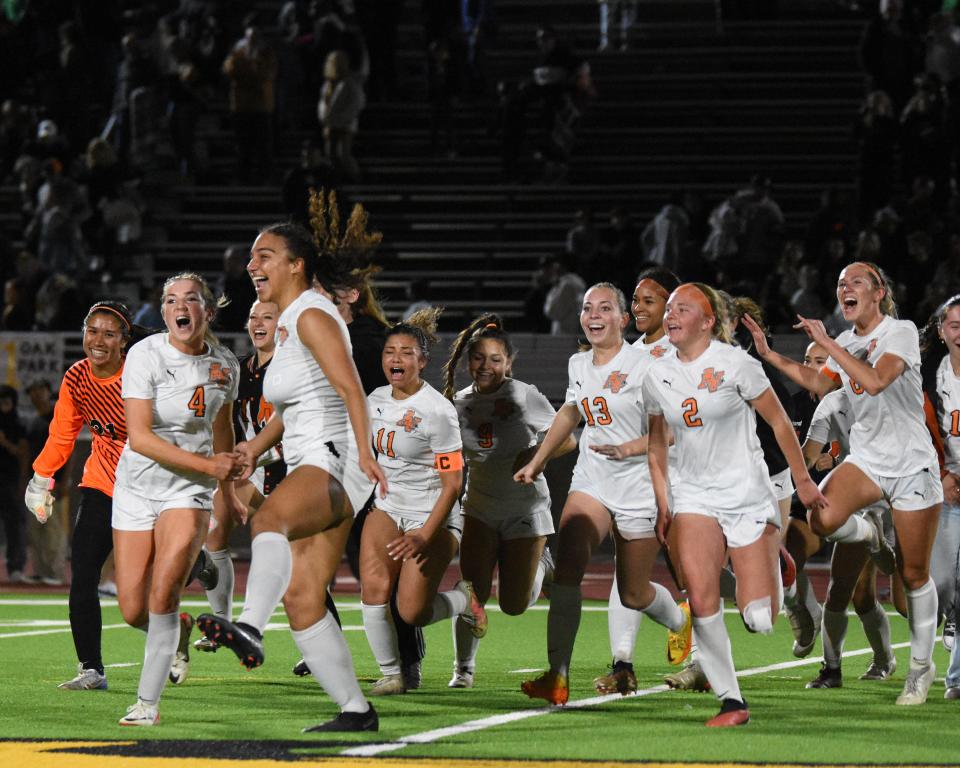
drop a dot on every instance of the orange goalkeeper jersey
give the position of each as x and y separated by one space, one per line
85 399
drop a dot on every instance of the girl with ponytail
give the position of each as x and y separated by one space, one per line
502 423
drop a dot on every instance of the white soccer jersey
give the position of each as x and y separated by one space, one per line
948 413
719 462
889 436
313 413
656 349
411 436
610 400
187 393
832 420
495 427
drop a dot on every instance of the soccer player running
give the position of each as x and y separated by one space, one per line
89 394
940 344
506 525
891 454
321 413
413 531
606 494
178 391
648 306
707 392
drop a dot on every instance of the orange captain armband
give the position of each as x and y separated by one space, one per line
830 374
448 462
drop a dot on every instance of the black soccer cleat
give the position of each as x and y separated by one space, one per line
827 678
242 639
300 669
205 571
349 721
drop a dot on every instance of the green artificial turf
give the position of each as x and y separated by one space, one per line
856 724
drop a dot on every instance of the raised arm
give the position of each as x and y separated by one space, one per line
811 380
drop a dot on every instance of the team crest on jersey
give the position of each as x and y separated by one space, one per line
658 351
281 335
219 374
502 408
615 381
409 421
264 413
710 380
871 346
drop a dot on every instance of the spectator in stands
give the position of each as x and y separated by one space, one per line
761 232
379 22
445 84
563 299
623 13
290 70
186 97
15 130
17 308
50 145
925 137
806 299
251 68
14 462
101 176
876 132
620 254
74 88
664 240
137 75
60 306
235 284
313 172
891 53
416 295
583 242
47 542
148 313
341 102
832 220
55 227
535 320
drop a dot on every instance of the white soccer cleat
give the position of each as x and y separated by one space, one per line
141 714
917 686
86 680
462 678
181 662
388 685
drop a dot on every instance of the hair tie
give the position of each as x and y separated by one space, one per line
491 325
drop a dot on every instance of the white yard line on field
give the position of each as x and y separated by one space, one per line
483 723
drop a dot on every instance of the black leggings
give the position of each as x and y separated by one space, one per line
90 547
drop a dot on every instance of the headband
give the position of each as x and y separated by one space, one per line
490 325
876 275
105 308
696 296
652 285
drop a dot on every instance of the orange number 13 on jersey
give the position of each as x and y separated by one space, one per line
602 418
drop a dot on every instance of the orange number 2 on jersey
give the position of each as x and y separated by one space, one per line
198 403
690 417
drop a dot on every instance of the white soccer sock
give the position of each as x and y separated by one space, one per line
447 605
271 564
833 630
623 624
326 654
465 645
382 636
563 621
716 656
807 594
221 598
663 610
728 584
537 585
163 634
922 618
876 626
854 531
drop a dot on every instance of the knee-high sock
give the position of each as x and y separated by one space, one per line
221 598
271 564
382 636
876 626
833 631
855 530
446 605
163 634
663 610
563 621
716 656
465 645
537 585
623 624
326 654
807 594
922 618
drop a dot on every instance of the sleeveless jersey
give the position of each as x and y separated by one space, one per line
86 399
187 392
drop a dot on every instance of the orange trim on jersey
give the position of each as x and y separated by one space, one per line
830 374
448 462
86 399
933 426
